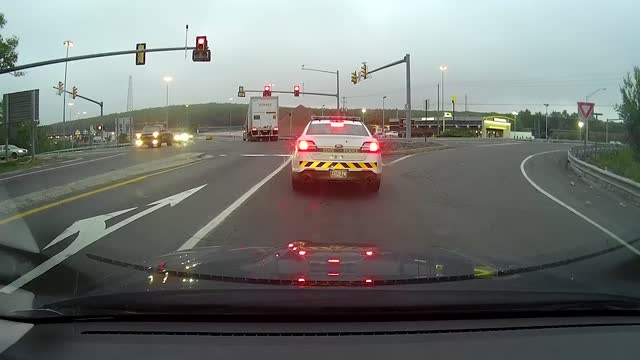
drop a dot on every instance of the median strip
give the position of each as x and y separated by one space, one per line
112 179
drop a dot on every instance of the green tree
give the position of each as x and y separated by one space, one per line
8 54
629 110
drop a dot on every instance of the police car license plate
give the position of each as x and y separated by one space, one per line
338 174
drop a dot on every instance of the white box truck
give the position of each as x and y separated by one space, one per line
262 119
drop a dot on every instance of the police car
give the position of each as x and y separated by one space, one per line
336 149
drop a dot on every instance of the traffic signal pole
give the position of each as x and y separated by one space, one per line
99 103
406 60
291 92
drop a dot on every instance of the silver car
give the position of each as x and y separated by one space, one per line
14 152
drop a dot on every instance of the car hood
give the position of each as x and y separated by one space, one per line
323 265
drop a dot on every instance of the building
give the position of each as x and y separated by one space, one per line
488 126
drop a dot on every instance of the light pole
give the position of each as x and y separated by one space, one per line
443 68
337 72
68 44
546 122
515 119
364 112
384 97
586 99
167 80
322 110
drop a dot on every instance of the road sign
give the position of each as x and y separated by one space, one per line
141 56
201 55
585 110
23 106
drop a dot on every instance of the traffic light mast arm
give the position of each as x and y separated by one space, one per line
91 56
291 92
369 72
82 97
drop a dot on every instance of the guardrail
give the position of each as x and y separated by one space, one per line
577 157
82 148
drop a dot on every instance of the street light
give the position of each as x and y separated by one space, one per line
586 98
384 97
167 80
67 44
337 82
546 122
364 112
322 110
515 114
580 125
443 68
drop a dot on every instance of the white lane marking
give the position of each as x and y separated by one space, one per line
189 244
60 167
71 160
574 211
500 144
399 159
89 231
266 155
222 155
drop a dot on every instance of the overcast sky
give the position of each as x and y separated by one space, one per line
497 51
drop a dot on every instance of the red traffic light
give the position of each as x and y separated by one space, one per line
201 43
296 90
266 91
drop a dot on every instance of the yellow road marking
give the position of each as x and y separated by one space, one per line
83 195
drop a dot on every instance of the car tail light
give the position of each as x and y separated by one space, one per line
302 252
301 280
368 281
275 128
253 129
290 245
369 252
333 274
370 146
334 261
306 145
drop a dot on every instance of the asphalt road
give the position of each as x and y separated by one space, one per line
476 198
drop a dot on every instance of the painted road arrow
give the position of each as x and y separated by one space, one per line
89 231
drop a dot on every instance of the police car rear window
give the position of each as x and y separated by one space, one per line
327 129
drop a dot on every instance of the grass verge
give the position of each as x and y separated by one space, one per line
19 164
619 162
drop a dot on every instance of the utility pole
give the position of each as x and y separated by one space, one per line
67 44
426 108
465 102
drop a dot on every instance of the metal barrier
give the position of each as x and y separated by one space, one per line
82 148
577 157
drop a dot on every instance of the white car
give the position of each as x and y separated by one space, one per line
336 149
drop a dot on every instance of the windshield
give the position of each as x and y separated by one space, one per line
156 147
337 128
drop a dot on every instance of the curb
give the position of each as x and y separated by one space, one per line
418 150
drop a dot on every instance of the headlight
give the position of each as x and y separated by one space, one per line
155 134
185 136
154 142
138 136
190 136
176 137
138 143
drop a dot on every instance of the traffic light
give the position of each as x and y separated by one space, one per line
296 90
266 91
202 52
241 92
99 127
201 43
60 87
363 71
74 93
354 77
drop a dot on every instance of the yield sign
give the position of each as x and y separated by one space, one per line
585 110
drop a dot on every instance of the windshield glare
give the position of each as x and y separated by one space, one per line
155 147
